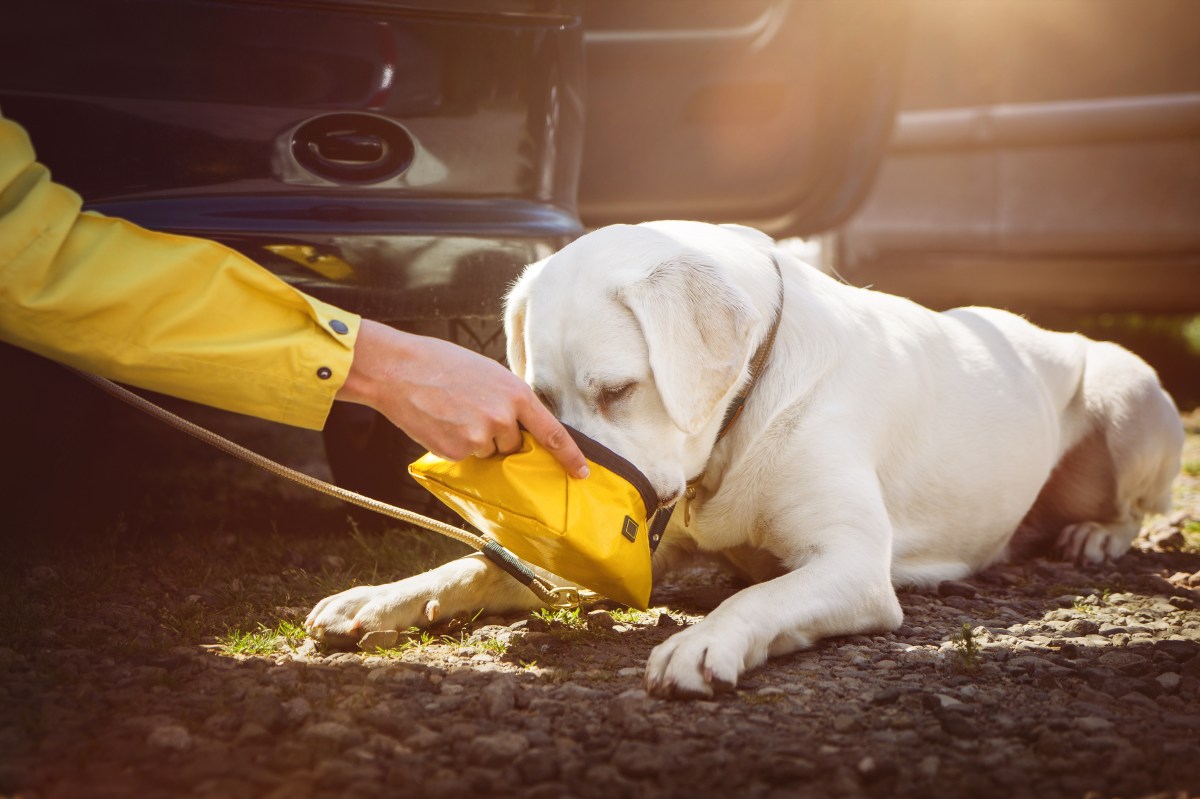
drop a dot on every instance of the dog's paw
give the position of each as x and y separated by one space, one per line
696 663
339 621
1094 542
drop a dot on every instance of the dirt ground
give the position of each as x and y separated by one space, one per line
156 650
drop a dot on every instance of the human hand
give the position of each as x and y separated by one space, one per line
450 400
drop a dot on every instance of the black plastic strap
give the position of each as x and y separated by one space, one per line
658 525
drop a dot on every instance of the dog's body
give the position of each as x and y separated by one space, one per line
882 444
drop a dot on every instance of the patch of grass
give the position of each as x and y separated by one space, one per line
264 640
564 617
417 640
966 649
628 616
490 646
1190 330
1191 535
493 646
1081 606
1191 468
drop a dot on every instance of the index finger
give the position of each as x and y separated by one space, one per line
550 433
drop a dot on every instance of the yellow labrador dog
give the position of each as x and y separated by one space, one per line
878 443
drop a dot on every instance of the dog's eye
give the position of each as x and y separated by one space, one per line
613 394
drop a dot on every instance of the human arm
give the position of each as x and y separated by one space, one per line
451 400
193 319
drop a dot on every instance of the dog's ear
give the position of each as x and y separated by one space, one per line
516 303
696 325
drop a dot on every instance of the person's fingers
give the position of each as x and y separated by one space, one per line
550 433
508 441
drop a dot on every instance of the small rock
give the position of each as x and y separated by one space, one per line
331 733
956 588
873 770
887 696
665 620
949 704
264 708
1093 724
537 766
1080 627
637 759
170 736
423 738
296 710
533 624
843 722
1169 681
600 620
252 732
1178 650
1127 662
1169 539
957 725
574 692
498 749
378 639
499 696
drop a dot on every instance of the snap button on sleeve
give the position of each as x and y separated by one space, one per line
324 373
339 327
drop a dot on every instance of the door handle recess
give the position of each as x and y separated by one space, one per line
352 148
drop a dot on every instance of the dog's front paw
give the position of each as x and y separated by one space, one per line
697 663
339 621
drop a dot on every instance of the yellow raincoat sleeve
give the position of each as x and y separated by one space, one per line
178 315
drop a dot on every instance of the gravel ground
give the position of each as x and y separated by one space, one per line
137 665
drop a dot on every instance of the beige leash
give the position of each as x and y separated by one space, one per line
554 596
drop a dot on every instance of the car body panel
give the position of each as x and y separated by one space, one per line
188 116
1055 167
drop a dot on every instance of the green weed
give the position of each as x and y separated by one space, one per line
492 646
628 616
262 641
1191 534
966 649
566 617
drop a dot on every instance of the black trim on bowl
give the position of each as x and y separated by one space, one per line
596 452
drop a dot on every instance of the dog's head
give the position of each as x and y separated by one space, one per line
640 337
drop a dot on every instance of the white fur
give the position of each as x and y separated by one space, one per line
884 444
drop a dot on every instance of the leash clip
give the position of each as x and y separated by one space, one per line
689 494
565 598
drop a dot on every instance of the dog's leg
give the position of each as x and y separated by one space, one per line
1124 468
843 588
459 587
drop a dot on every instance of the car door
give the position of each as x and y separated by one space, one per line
773 113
